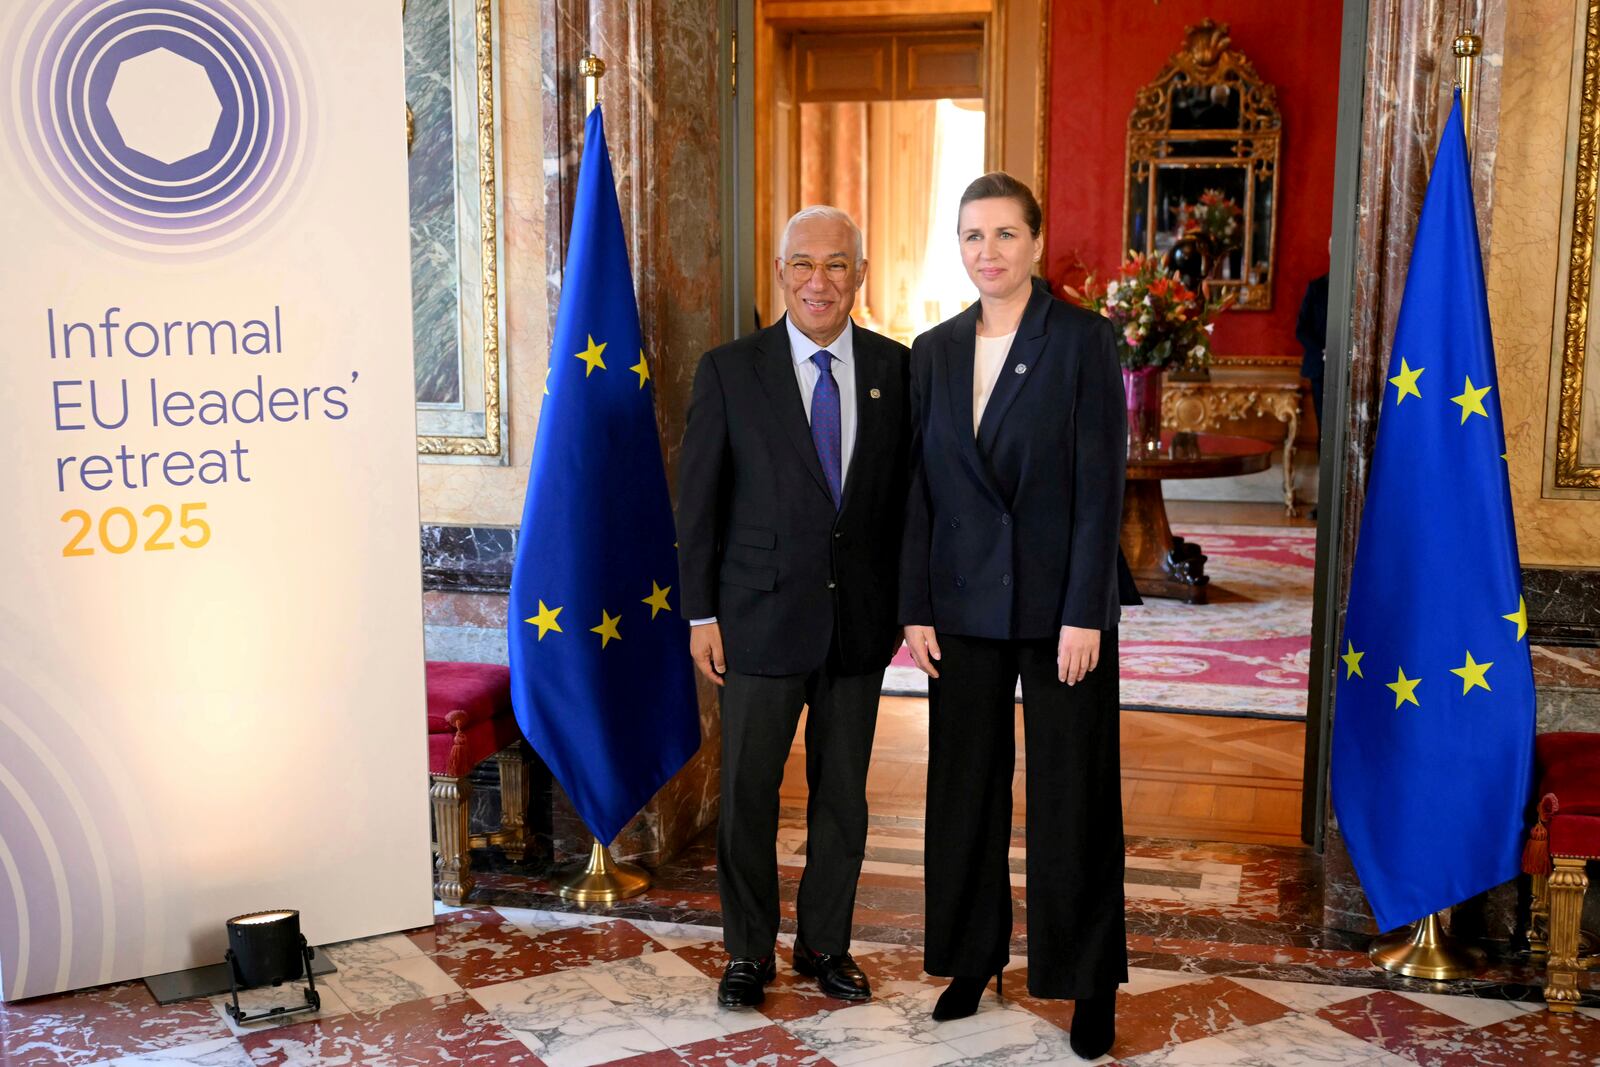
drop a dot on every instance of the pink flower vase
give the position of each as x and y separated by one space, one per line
1143 388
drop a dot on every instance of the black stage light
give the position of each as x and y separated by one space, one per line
266 948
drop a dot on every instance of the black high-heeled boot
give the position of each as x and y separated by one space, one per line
1094 1025
960 998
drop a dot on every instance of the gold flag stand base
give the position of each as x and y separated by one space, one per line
1424 950
599 879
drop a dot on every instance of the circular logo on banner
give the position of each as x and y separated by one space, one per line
164 126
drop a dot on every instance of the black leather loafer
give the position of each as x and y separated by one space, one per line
836 975
744 981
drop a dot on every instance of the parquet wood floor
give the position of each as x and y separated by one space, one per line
1191 776
1204 777
1234 513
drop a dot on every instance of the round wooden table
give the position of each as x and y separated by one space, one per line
1164 565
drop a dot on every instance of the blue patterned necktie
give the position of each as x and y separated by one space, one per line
825 431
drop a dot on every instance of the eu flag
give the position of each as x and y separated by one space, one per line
600 671
1433 720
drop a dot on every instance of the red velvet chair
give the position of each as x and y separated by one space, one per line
1564 839
469 720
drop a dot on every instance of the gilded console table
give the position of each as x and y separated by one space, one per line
1232 400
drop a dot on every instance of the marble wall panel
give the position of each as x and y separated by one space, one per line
1523 261
434 270
1563 604
1569 708
685 305
1566 666
471 494
468 558
470 627
1409 73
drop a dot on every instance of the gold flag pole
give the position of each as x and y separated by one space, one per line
599 879
1467 47
1423 949
591 68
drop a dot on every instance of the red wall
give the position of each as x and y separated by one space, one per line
1102 52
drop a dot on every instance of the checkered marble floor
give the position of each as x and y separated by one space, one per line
1227 970
505 985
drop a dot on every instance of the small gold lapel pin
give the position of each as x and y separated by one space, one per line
874 394
1021 368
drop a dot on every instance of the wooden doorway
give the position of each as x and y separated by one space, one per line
850 80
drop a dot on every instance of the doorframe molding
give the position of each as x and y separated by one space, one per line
1327 584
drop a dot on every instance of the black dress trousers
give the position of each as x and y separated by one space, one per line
759 716
1077 941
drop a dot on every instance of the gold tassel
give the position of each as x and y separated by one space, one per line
1536 855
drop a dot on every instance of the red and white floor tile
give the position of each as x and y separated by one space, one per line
1227 972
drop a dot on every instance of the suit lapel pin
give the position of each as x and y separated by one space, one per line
874 394
1021 368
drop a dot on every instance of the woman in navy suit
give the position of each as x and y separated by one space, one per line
1010 569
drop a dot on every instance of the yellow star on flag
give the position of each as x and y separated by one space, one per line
642 369
1352 660
607 628
658 599
546 620
591 356
1471 400
1406 382
1405 689
1520 617
1471 674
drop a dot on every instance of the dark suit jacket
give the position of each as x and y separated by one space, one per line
760 545
1015 534
1311 327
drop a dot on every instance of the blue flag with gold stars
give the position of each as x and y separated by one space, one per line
1433 718
600 670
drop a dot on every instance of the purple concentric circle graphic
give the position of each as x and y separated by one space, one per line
168 127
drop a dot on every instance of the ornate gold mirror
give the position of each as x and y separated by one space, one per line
1203 144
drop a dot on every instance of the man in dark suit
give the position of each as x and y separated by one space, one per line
1311 330
792 487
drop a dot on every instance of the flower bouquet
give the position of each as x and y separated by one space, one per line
1161 323
1215 221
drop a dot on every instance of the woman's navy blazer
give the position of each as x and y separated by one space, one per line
1014 534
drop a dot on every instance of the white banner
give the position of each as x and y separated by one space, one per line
211 668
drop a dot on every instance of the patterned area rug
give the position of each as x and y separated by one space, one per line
1246 653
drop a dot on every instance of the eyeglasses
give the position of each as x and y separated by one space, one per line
802 269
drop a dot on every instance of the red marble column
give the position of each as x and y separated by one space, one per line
660 100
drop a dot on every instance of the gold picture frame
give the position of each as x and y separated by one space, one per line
1575 458
466 422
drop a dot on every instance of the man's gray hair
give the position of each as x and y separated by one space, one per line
827 213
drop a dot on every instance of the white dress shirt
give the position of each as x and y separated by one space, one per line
801 349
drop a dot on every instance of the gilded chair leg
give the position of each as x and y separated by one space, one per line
1567 885
513 836
451 798
1539 917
